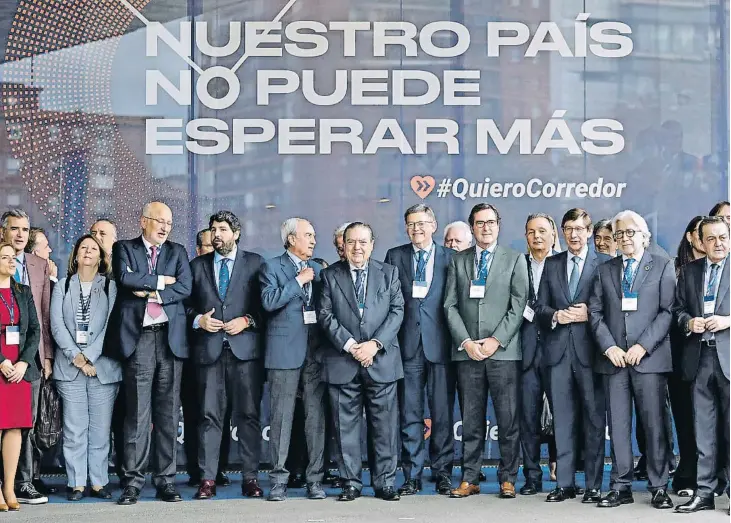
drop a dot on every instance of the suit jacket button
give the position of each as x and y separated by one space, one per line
417 323
626 313
224 307
362 322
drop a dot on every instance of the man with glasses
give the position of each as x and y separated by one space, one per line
630 309
569 351
485 297
426 351
147 332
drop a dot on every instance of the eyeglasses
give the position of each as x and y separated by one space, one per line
362 243
629 232
417 225
572 230
160 221
490 223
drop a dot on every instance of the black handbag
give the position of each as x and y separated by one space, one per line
48 424
546 419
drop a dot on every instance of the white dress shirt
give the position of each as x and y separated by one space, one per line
570 261
636 265
428 251
163 318
478 255
536 269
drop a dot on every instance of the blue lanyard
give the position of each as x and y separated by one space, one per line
10 308
421 276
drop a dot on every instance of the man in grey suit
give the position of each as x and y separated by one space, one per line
426 351
630 312
360 310
486 294
702 312
289 284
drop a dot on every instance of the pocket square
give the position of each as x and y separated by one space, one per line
129 269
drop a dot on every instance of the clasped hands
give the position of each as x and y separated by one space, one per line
710 324
364 352
210 324
574 314
619 358
13 373
479 350
80 362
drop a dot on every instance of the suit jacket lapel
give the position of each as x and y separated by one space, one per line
700 276
642 271
375 277
290 271
237 272
141 255
469 263
95 290
345 282
562 278
615 274
21 306
210 271
589 266
496 267
438 270
722 285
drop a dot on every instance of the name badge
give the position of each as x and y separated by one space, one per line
309 316
82 335
529 313
709 305
12 335
418 290
477 289
629 302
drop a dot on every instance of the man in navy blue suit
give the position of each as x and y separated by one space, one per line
426 351
147 332
289 286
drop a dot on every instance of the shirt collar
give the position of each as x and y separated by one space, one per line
295 259
490 248
425 249
230 256
635 258
354 268
20 258
148 244
720 264
533 260
584 252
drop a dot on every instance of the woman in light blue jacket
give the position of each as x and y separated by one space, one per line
86 381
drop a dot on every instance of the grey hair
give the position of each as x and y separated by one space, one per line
635 218
14 213
337 233
289 227
461 225
420 207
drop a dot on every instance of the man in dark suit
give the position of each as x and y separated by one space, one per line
485 297
569 351
190 403
224 310
147 332
702 312
534 380
426 351
289 285
360 311
630 310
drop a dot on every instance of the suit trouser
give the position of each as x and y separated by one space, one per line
500 379
668 424
439 379
87 418
151 377
118 415
649 392
534 382
230 383
573 388
190 402
681 401
380 401
30 454
283 386
710 409
297 458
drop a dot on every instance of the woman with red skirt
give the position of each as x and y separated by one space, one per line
19 336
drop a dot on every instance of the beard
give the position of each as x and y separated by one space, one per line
226 248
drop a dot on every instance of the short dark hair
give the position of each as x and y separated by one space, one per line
74 265
482 207
717 208
605 223
576 214
32 235
199 237
226 216
710 220
358 224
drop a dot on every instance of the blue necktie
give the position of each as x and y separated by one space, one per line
18 274
712 280
628 278
308 286
359 287
574 279
420 266
223 279
482 267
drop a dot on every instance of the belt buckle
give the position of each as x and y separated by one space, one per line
711 343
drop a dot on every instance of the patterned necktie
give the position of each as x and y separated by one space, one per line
359 286
224 278
712 280
628 278
482 267
307 286
18 273
420 266
154 309
574 279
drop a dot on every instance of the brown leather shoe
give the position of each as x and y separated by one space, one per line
251 489
507 490
206 490
465 489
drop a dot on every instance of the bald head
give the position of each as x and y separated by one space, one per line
156 222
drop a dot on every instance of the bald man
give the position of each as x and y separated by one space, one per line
147 332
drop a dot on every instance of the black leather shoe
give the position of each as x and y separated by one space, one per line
388 494
222 480
444 485
102 493
43 488
695 504
579 491
661 500
75 495
531 488
592 495
349 494
168 493
410 487
559 494
616 498
129 496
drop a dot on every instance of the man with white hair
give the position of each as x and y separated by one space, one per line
630 311
457 236
289 284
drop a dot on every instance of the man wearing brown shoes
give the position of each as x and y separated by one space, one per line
485 299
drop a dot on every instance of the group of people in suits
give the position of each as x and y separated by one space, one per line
594 331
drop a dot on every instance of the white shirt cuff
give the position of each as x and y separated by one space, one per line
461 345
161 283
197 322
349 345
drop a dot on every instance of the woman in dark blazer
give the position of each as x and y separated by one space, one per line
19 336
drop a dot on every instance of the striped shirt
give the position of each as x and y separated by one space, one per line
83 313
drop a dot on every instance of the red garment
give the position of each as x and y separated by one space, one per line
15 412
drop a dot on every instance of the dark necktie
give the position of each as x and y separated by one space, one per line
420 266
307 286
628 278
574 279
154 309
712 280
359 286
224 278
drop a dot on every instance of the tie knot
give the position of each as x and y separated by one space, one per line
576 259
630 261
714 266
153 249
484 255
420 253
